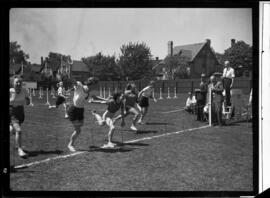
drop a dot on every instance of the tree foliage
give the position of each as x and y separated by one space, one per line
176 66
16 54
103 67
54 60
135 61
239 55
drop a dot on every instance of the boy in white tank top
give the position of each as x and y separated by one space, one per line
76 111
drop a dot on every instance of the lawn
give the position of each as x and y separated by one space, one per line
164 155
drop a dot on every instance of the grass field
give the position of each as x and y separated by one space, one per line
163 156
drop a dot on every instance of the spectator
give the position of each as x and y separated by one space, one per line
228 80
217 100
190 103
206 107
201 98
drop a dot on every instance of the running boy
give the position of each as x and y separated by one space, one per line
76 111
61 98
18 97
130 99
114 104
144 95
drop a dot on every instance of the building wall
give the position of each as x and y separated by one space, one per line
204 62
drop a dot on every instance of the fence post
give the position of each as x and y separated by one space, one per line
192 84
163 86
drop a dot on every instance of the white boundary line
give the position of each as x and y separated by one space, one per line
130 141
167 134
173 111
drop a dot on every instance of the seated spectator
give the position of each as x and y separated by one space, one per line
190 103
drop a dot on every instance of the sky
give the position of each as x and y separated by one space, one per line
83 32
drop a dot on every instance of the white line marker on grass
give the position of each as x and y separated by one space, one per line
130 141
166 134
49 159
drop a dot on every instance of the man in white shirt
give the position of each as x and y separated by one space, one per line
228 79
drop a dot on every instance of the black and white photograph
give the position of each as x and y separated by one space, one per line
133 99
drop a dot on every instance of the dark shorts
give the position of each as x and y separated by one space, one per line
16 114
59 100
75 113
144 102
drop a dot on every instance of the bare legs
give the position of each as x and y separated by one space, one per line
18 138
77 130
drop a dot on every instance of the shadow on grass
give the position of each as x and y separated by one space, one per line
118 149
145 131
42 152
235 122
131 144
19 170
158 123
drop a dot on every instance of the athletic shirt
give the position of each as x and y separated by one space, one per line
147 91
131 99
61 91
79 95
17 99
113 107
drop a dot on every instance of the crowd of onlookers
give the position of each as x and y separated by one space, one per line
220 85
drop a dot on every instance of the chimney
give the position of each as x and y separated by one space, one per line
41 60
232 42
170 48
208 41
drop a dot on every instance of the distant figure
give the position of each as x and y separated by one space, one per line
61 98
190 103
228 80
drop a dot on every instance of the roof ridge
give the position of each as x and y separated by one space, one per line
190 44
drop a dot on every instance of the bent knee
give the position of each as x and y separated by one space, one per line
101 123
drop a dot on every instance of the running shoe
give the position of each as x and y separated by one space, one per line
21 153
140 122
109 145
71 148
133 128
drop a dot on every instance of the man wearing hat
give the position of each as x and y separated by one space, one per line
201 97
228 79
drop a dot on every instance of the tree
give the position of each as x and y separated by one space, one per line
56 60
239 55
103 67
135 61
177 66
16 54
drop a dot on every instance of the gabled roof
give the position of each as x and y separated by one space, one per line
161 62
190 51
79 66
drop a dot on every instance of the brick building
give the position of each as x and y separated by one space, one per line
198 58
